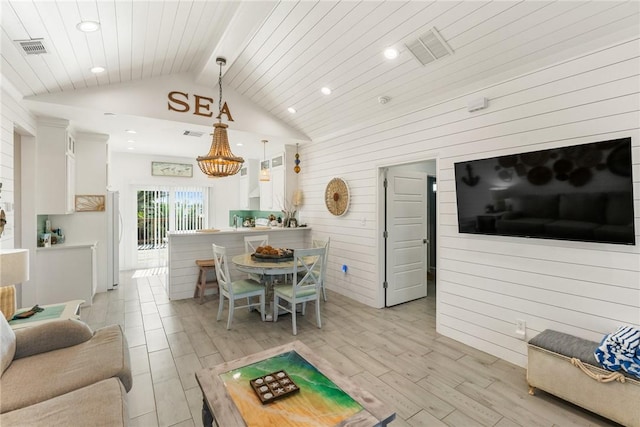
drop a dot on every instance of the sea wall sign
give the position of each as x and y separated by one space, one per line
179 102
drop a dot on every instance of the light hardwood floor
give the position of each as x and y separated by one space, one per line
429 380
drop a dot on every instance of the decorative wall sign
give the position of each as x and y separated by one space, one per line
171 169
90 203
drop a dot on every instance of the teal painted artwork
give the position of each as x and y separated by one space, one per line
320 402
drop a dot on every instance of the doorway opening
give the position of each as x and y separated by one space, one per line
160 210
408 223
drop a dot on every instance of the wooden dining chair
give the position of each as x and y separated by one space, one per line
235 290
305 287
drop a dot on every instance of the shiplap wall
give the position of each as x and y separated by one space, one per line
12 113
485 283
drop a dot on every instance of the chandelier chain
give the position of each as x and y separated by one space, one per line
220 93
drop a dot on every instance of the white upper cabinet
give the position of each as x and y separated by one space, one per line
277 193
266 189
56 177
249 191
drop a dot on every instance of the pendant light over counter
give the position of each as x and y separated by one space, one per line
265 175
220 161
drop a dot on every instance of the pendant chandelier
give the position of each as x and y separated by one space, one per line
220 161
264 170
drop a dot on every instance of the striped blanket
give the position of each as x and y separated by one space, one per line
620 350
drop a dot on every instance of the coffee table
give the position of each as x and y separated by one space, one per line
62 311
326 397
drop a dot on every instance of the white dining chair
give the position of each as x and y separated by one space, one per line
251 243
235 290
305 287
323 243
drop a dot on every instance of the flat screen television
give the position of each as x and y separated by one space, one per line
580 192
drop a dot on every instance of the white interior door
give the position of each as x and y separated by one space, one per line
406 236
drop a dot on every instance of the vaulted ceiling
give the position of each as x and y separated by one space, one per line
279 55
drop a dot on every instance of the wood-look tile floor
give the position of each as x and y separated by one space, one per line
395 353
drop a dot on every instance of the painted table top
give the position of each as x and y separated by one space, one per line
326 397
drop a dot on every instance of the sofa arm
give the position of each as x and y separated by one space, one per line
51 336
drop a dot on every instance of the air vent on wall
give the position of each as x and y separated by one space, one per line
32 46
429 47
192 133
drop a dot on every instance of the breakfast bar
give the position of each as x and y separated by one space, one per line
185 247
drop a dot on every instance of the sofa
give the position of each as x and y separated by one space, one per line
63 373
579 216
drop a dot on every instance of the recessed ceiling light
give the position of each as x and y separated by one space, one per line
88 26
130 131
391 53
97 70
291 110
326 90
239 144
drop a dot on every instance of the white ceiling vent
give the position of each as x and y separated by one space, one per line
429 47
193 133
32 46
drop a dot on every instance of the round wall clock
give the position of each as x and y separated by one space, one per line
336 197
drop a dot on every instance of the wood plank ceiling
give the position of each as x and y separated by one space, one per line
301 46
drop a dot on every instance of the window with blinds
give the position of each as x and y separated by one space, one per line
164 209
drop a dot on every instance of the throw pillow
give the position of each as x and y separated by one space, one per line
8 301
7 344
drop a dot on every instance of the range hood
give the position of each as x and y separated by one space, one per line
255 193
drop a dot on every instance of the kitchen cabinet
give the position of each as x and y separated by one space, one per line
56 174
278 184
266 189
66 272
249 191
277 193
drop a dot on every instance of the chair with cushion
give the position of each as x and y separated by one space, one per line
308 271
323 243
234 290
251 243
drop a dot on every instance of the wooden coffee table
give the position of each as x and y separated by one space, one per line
326 397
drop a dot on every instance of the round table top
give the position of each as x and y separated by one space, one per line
245 263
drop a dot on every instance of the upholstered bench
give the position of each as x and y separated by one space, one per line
565 366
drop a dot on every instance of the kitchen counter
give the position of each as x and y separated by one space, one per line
65 272
233 230
68 246
184 247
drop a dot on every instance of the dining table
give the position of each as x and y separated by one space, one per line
269 270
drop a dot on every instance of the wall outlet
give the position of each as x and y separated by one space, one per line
521 329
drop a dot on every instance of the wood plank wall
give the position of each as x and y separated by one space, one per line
12 113
185 248
485 283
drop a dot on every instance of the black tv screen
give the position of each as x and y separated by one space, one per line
580 192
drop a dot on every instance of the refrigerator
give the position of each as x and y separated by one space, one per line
114 236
